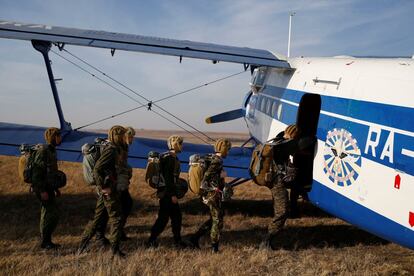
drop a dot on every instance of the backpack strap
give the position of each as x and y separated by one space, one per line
258 164
162 157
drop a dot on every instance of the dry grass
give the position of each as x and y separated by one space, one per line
315 244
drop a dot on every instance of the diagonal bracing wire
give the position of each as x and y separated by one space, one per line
162 99
153 103
123 93
159 100
150 103
139 95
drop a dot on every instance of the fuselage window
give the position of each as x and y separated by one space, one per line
274 108
258 103
269 107
250 108
263 105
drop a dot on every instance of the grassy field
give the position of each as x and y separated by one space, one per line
315 244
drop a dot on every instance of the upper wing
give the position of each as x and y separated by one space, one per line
13 135
155 45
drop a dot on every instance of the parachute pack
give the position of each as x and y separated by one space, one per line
26 162
91 154
155 178
26 159
198 166
153 175
262 168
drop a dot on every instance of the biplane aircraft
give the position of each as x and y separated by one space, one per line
360 109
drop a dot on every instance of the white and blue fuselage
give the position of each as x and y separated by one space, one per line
366 114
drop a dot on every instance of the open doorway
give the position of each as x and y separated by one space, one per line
308 114
307 121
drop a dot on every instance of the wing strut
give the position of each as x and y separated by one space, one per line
44 47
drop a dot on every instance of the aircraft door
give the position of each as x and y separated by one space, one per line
307 121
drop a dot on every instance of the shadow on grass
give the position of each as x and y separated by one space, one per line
19 218
19 213
298 238
250 207
291 238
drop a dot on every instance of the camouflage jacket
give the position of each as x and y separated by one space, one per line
44 168
170 169
105 172
212 177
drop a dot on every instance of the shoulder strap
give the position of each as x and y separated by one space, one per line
165 154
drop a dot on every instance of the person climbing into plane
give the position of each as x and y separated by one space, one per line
285 145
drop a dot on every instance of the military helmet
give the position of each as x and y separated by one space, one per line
181 188
130 131
175 142
222 146
116 135
292 131
50 134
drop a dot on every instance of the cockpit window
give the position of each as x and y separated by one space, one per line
258 79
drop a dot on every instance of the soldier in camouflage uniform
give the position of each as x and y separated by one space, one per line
124 176
108 203
44 173
169 208
212 187
287 145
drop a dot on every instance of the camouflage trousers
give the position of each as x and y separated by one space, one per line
215 223
107 208
49 217
280 206
126 207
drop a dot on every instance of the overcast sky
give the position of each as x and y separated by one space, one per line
320 28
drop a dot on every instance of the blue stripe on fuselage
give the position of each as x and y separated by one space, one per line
384 146
382 114
359 215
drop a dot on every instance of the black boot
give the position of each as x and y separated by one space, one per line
151 243
83 245
194 241
48 244
116 252
124 237
215 247
270 241
179 244
101 239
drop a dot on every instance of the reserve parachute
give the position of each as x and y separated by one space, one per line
91 154
198 166
153 175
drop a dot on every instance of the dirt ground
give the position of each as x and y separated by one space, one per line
314 244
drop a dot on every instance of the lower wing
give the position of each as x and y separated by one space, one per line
13 135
